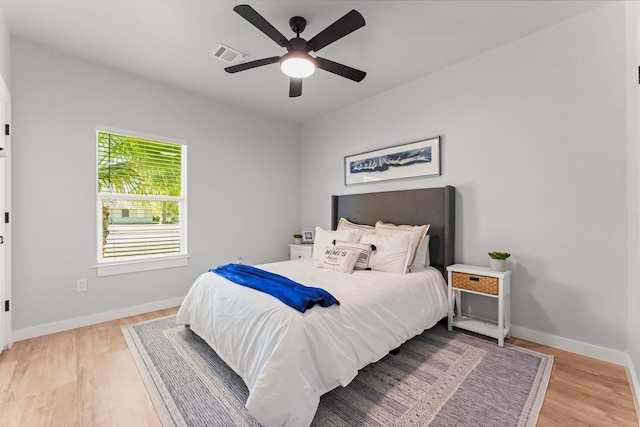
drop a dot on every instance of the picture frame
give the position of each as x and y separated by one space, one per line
420 158
307 237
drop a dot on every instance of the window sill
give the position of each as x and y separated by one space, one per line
123 267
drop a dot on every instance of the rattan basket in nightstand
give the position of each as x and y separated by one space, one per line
477 283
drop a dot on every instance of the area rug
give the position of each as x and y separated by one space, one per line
439 378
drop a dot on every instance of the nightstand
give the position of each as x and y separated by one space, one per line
480 281
303 250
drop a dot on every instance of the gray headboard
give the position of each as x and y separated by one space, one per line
435 206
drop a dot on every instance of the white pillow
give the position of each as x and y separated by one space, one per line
345 224
338 259
324 238
415 233
363 250
392 252
422 254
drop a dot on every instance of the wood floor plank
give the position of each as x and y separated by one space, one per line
44 360
87 377
51 407
113 393
584 391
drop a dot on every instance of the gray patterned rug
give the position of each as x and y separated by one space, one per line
440 378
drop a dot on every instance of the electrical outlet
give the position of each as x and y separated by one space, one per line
81 285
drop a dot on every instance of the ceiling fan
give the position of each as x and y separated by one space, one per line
297 63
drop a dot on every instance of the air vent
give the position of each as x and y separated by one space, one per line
229 55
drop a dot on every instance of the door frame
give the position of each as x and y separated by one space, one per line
6 334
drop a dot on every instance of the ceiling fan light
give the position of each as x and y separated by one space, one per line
297 67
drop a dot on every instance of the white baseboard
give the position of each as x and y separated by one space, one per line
79 322
589 350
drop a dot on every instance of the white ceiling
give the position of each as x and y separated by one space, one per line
171 41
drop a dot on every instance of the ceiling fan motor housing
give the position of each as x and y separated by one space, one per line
298 43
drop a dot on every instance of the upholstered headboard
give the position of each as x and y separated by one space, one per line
435 206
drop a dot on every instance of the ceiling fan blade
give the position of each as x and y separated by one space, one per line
252 64
343 26
340 69
295 87
249 13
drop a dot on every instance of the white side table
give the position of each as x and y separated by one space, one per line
480 281
303 250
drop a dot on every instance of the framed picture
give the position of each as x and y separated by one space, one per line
307 237
402 161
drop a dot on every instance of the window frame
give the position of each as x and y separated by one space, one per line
108 267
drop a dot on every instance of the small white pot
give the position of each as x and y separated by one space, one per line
498 264
297 240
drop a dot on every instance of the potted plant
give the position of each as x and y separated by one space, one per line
498 260
297 239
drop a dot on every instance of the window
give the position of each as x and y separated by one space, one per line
141 201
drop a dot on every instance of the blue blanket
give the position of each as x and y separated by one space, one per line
286 290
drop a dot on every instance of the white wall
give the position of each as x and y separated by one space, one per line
5 48
534 140
240 178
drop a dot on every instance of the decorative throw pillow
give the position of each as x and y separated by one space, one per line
362 249
392 252
422 254
415 233
324 238
345 224
338 259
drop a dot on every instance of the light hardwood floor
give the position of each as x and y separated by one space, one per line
87 377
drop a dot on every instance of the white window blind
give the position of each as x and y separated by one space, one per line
141 198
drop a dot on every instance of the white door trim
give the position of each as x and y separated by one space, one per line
6 339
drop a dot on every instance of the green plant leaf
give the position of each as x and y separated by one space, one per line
499 255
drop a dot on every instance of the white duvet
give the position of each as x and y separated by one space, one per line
289 359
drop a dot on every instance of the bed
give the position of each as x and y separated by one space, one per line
287 358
